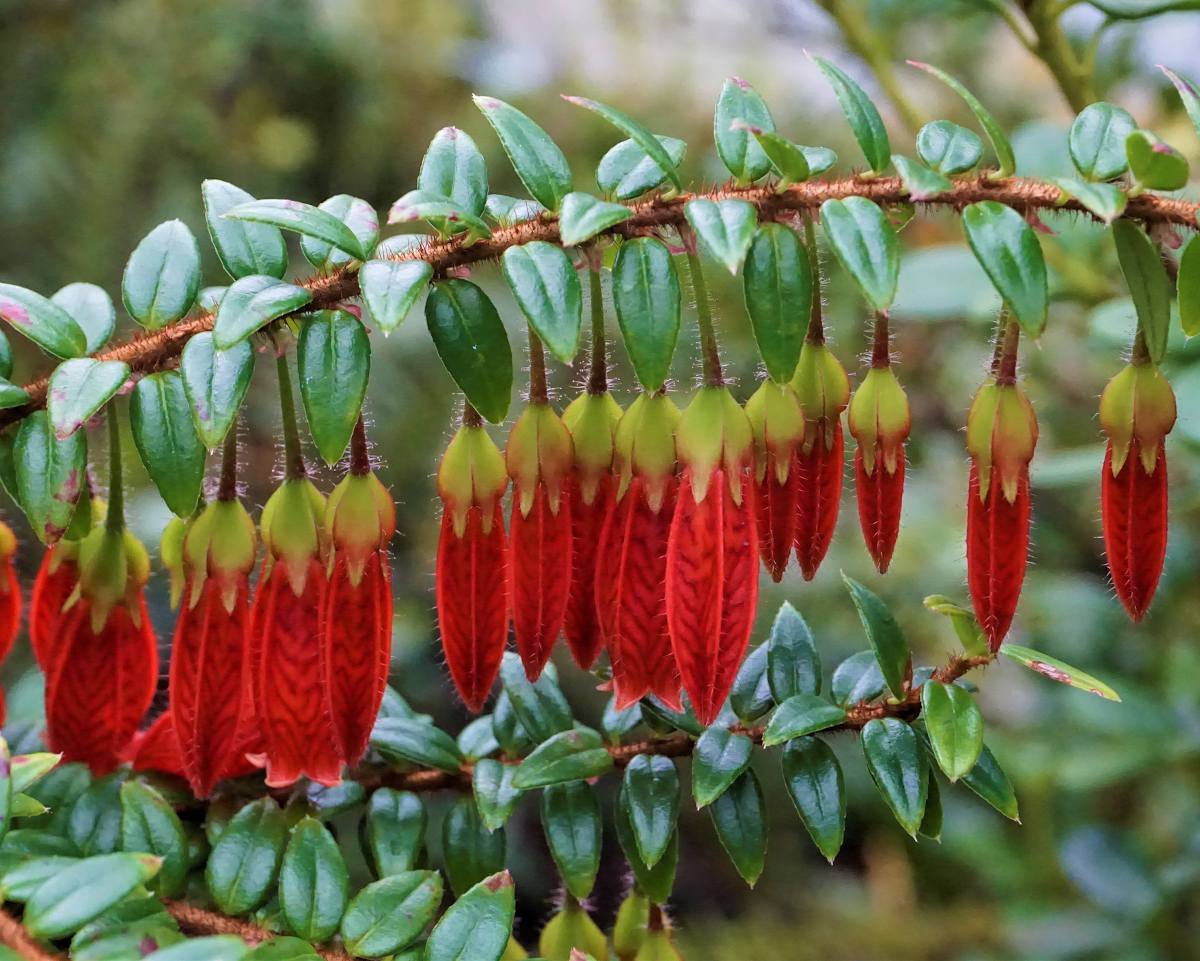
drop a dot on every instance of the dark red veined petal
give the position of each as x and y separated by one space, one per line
208 681
880 495
157 748
582 627
712 587
10 607
997 552
292 712
818 498
630 592
1135 526
472 602
356 637
100 685
539 576
777 516
56 579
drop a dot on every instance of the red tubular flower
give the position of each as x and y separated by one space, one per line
1002 433
538 458
292 709
472 563
356 632
103 659
56 579
630 585
210 653
10 600
879 420
821 384
712 552
778 426
592 420
157 748
1137 411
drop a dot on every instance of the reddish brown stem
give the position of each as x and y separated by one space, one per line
227 490
197 921
1006 367
881 348
360 455
14 935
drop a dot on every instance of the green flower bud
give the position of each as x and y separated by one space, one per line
513 951
714 432
361 519
879 418
571 928
823 389
539 450
113 569
170 553
1137 403
592 421
645 446
1002 432
658 947
221 543
777 425
471 474
629 931
293 528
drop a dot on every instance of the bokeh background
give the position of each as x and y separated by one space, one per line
111 113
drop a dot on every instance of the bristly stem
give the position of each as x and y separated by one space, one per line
470 416
360 454
598 376
881 348
1006 369
293 455
227 489
816 322
1140 355
713 375
115 519
538 394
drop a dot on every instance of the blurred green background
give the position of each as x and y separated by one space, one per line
113 112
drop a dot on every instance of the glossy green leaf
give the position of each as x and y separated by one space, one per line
989 781
1189 93
395 830
390 289
1106 201
887 640
418 742
567 756
304 219
356 214
740 151
920 181
43 321
739 816
814 781
861 113
251 303
865 245
469 850
719 758
149 825
995 133
635 131
650 793
1097 141
508 211
478 740
244 248
478 925
472 343
616 724
793 665
750 697
82 891
546 287
388 915
789 160
79 388
539 705
50 474
244 863
1154 164
899 769
217 947
656 881
662 719
313 881
970 634
27 769
955 727
584 216
931 823
215 382
948 148
94 823
495 795
443 214
21 880
92 309
1189 287
1149 284
164 431
333 360
1006 248
725 228
777 285
1059 671
799 715
626 171
572 825
162 275
12 396
510 733
453 167
284 949
535 157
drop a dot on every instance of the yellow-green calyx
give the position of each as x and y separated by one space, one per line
113 568
879 418
170 553
539 451
714 432
221 543
629 931
1137 403
658 947
592 421
777 425
1002 432
361 519
645 446
823 389
571 928
293 529
471 474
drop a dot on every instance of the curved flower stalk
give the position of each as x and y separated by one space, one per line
778 426
1137 411
630 585
356 630
472 561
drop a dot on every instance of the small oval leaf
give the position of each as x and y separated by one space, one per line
390 289
244 248
647 300
725 228
584 216
1006 248
389 915
861 113
472 343
333 360
739 150
1149 284
1097 141
535 157
865 244
356 214
955 727
304 219
167 440
478 925
626 171
948 148
43 321
50 475
777 285
215 382
313 881
814 781
887 640
244 862
162 275
251 303
546 287
899 769
79 388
